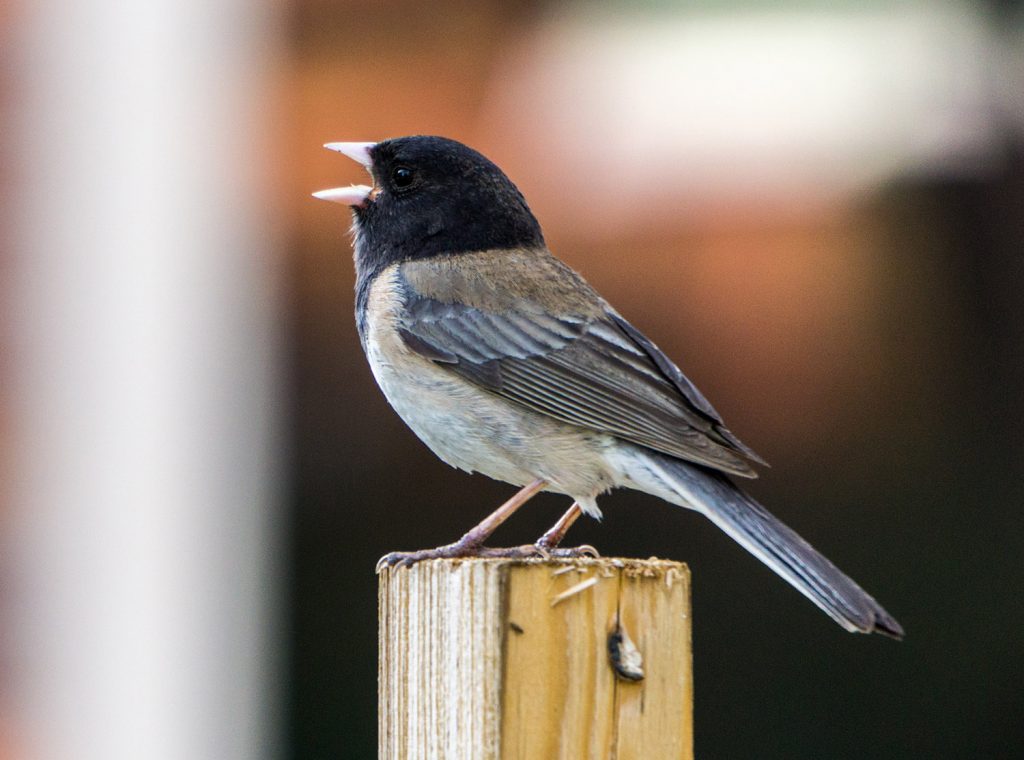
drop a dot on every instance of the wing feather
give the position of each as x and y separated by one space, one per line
596 372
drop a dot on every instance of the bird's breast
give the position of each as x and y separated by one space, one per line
469 427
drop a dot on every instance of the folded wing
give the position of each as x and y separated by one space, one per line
596 372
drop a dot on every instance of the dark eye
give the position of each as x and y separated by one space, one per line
402 177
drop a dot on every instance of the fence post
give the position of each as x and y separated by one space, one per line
490 659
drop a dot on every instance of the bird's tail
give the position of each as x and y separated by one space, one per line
764 536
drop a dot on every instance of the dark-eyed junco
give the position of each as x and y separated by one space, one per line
504 361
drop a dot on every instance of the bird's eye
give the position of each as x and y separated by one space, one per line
402 177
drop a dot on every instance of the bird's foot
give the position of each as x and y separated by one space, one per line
533 551
467 549
448 551
458 550
572 552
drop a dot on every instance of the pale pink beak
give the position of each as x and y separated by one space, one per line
357 151
354 195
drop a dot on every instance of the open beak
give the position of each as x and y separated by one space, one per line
355 195
357 151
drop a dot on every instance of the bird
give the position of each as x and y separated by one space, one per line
504 361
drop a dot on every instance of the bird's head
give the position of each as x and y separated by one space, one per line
431 196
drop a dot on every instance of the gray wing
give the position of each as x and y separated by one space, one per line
598 373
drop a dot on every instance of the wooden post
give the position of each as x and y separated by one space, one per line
490 659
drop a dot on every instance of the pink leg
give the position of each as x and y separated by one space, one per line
471 544
547 544
554 537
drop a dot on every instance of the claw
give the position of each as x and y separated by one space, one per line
542 550
526 551
575 552
449 551
459 550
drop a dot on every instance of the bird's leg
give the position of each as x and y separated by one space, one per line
471 544
475 537
548 543
554 537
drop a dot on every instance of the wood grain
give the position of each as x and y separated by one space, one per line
485 659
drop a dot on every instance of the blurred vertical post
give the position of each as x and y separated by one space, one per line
142 311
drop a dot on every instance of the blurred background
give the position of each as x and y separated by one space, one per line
816 208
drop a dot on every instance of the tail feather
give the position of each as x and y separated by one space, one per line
767 538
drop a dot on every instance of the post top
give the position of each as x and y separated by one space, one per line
629 566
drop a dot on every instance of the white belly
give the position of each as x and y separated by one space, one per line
473 429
